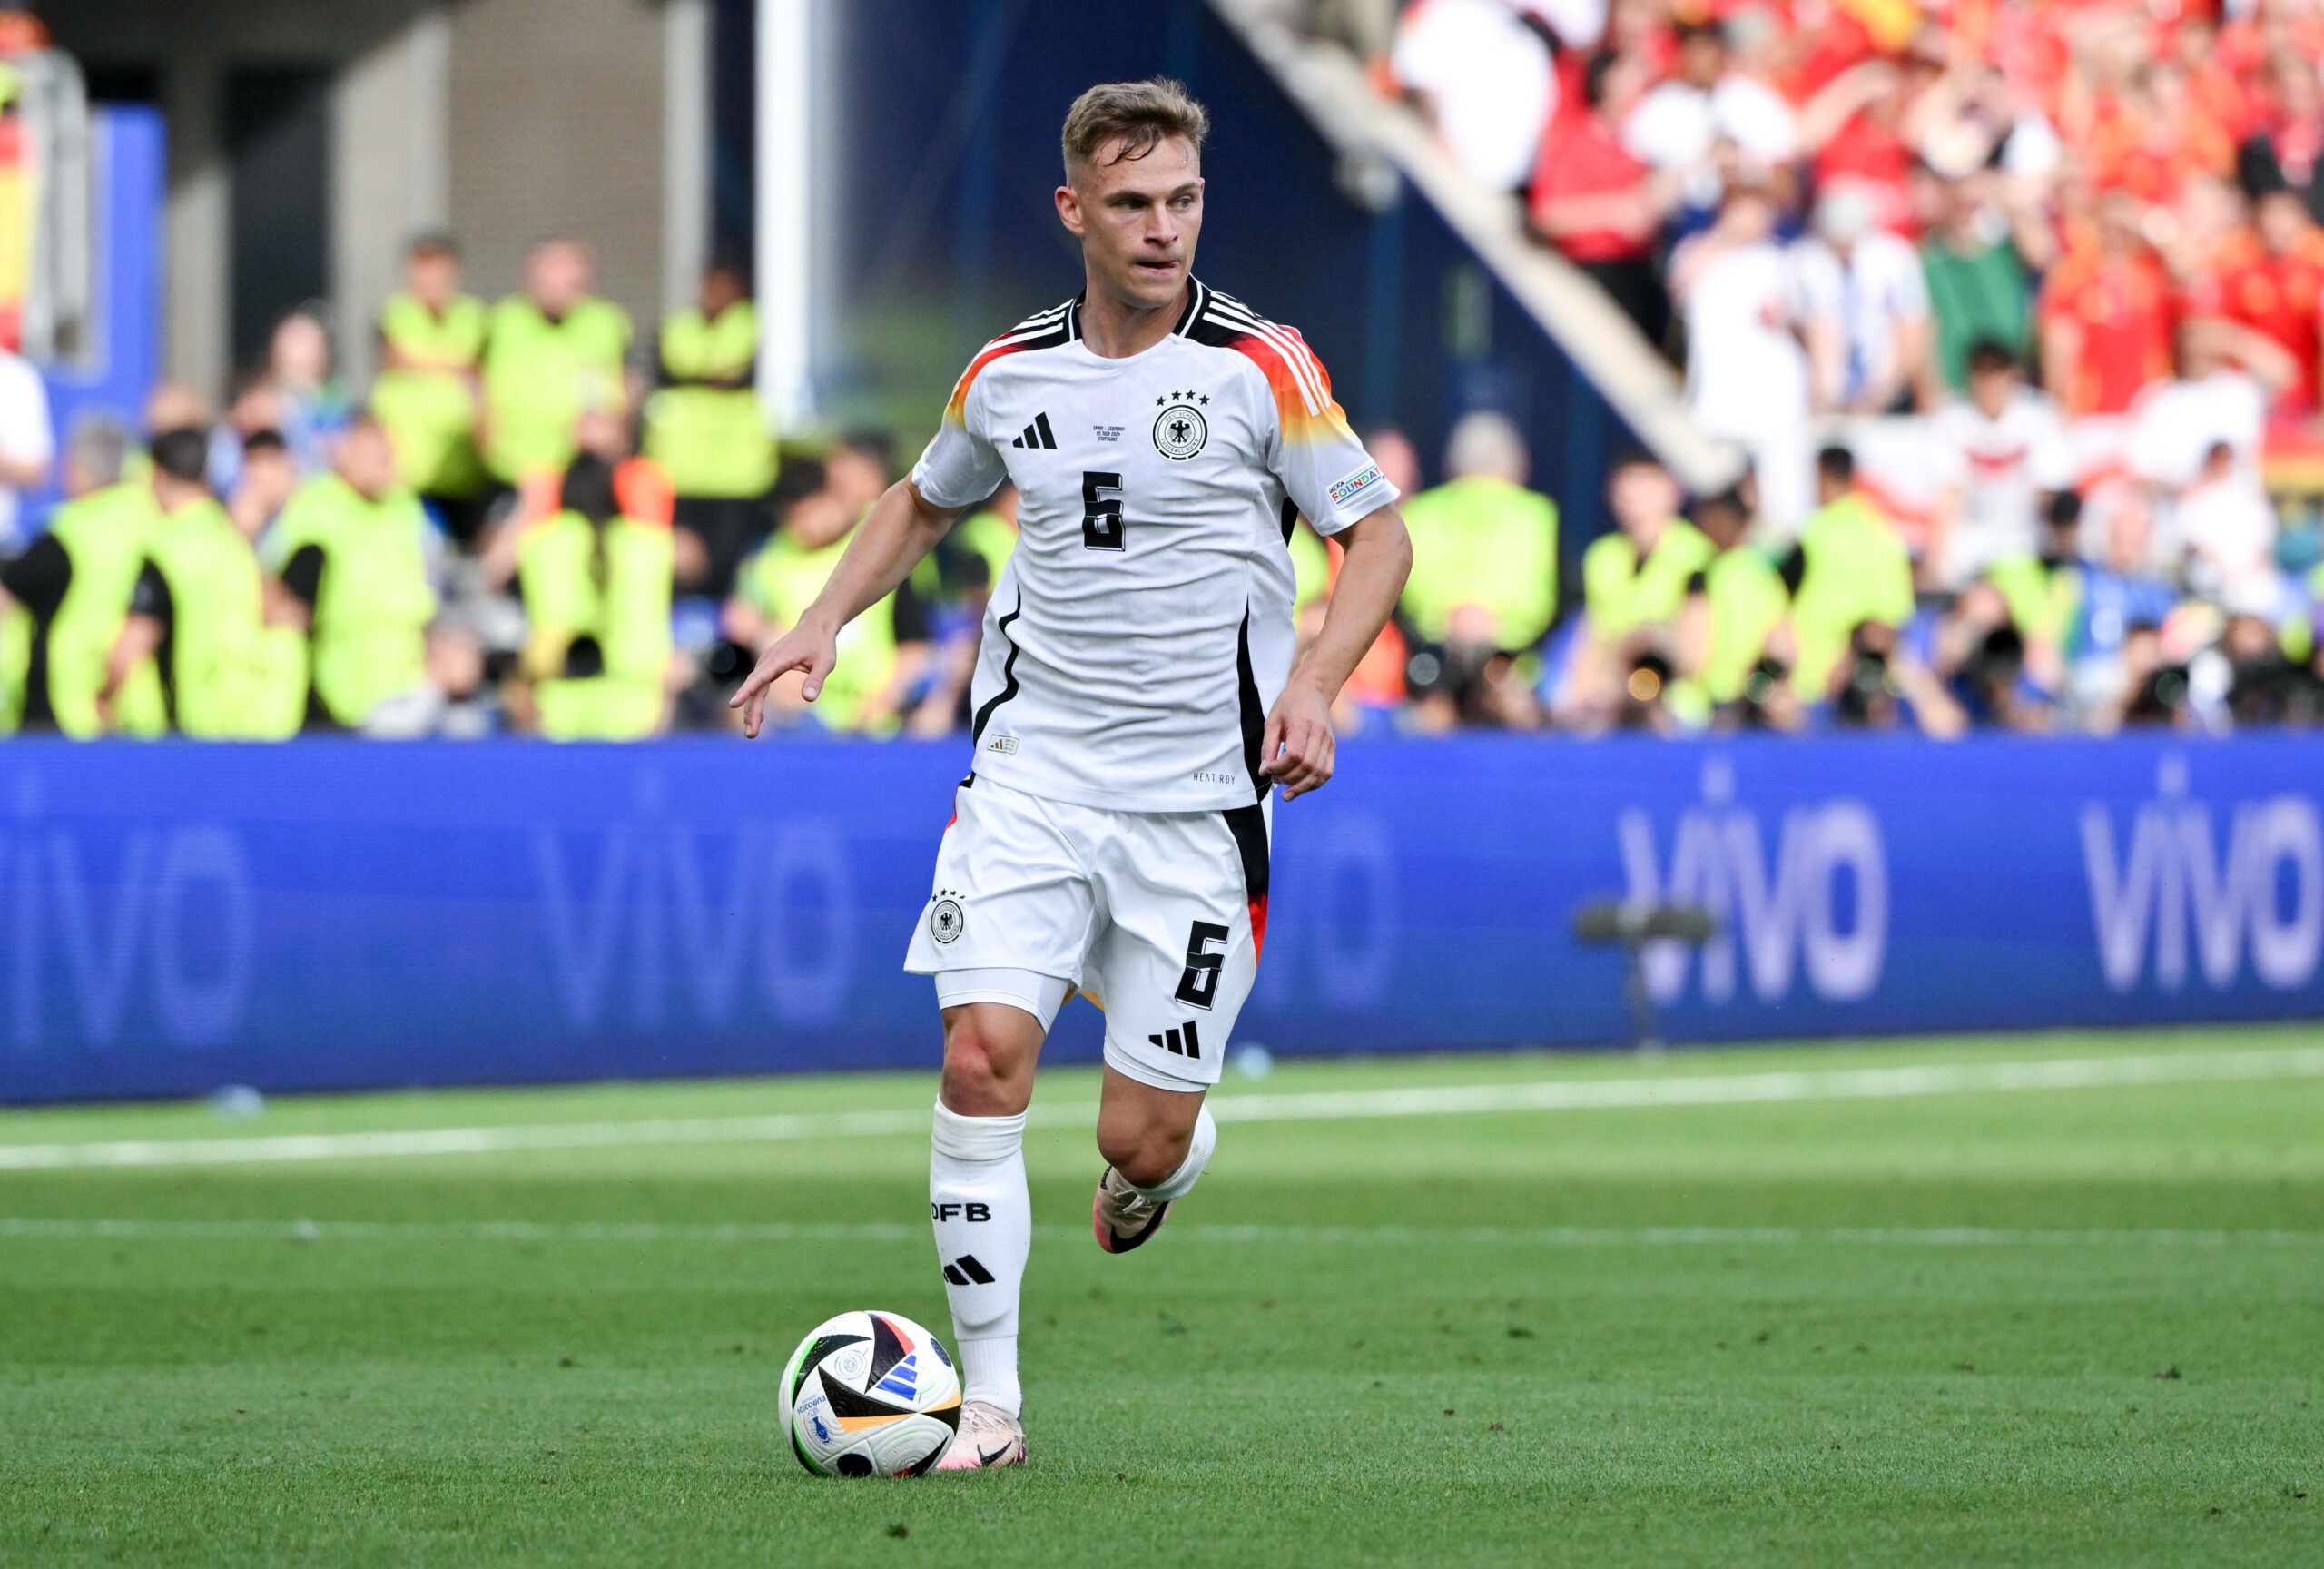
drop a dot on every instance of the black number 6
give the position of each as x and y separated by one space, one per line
1101 515
1199 985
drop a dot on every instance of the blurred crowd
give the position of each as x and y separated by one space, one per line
2046 280
2013 311
529 522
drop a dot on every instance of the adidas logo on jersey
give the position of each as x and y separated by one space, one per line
1037 435
1179 1040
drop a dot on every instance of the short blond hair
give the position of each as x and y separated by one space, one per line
1138 114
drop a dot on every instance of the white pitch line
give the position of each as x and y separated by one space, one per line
1542 1095
393 1231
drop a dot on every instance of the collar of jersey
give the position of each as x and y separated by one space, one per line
1197 298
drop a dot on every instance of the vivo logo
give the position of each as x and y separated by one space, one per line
165 913
2177 882
641 907
1781 900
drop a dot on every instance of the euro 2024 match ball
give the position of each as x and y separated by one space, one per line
869 1395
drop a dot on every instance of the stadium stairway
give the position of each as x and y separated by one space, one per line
1383 146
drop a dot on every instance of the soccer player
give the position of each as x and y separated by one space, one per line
1134 702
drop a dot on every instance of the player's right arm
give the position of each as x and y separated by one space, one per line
902 526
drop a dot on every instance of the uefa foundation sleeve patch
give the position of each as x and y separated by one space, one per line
1362 482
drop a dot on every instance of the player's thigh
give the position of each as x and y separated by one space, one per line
1011 892
1179 951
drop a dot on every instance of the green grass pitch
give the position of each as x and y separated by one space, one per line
2024 1326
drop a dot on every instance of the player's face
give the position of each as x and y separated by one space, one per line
1137 219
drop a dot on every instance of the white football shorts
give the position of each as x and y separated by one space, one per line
1157 917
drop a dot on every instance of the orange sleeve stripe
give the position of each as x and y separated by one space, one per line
957 408
1303 389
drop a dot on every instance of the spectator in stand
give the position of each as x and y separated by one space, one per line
354 549
2119 593
453 698
705 425
27 440
268 478
2263 298
2108 314
1864 288
1485 556
2285 155
1480 71
253 405
2227 528
1596 202
1679 126
1848 568
1999 454
1980 262
1852 128
311 408
1746 310
431 348
552 354
2176 423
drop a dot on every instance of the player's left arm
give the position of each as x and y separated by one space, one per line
1297 747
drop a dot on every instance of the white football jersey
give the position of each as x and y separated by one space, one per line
1143 627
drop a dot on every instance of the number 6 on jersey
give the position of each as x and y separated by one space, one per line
1101 515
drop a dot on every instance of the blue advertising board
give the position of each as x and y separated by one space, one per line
321 914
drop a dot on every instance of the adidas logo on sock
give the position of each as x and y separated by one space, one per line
1179 1040
1037 434
966 1271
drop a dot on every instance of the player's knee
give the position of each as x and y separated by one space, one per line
1147 1154
982 1074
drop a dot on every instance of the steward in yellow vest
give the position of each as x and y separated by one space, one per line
69 592
595 575
198 615
431 348
551 354
1734 606
1637 577
352 546
705 427
1851 567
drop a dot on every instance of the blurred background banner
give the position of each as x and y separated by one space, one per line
183 916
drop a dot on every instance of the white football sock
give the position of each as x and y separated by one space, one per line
983 1219
1181 1182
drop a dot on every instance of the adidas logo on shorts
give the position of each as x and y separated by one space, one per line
1179 1040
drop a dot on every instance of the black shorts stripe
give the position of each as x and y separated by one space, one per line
1009 689
1249 827
1253 712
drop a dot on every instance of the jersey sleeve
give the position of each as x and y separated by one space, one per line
1322 468
960 466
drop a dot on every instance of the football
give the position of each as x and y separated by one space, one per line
869 1395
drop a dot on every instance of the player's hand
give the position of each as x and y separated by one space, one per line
1297 747
803 647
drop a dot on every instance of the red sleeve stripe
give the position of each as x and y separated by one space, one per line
1315 387
1024 335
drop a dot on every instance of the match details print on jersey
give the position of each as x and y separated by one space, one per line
1143 627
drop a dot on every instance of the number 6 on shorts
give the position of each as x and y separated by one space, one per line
1199 984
